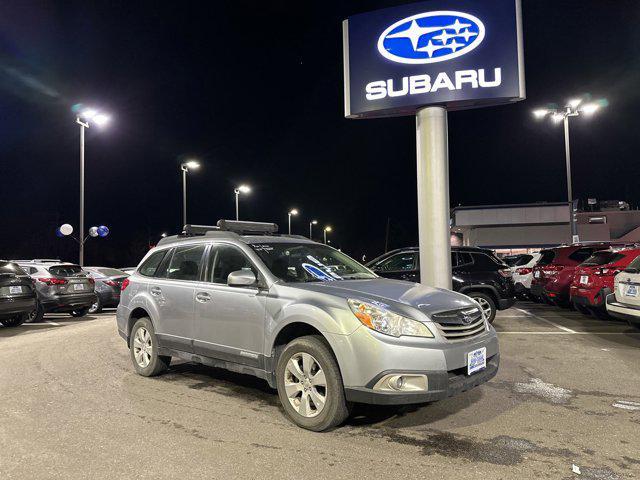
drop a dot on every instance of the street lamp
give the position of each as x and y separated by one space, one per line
292 212
238 191
327 229
85 118
574 108
311 224
163 235
185 167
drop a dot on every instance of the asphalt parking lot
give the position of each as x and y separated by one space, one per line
567 394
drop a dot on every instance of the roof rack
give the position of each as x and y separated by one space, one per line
40 260
224 228
247 228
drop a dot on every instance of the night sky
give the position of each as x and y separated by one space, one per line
254 90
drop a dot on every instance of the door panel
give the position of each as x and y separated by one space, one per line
229 321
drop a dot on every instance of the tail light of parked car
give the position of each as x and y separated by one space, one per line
524 271
124 285
505 272
54 281
552 269
91 280
607 272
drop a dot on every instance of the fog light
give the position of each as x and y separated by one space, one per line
396 382
407 382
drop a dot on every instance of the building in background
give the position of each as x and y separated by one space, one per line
529 227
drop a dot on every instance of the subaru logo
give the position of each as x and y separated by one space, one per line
431 37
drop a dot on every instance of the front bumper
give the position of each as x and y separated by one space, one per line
441 385
12 306
68 303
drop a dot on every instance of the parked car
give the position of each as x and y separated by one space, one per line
60 286
17 295
553 274
107 287
593 279
624 301
522 268
477 273
314 323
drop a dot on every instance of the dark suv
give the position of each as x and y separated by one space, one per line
477 273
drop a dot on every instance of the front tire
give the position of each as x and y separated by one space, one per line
36 315
310 384
81 312
96 307
487 305
143 349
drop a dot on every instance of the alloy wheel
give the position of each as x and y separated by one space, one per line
142 347
485 307
305 385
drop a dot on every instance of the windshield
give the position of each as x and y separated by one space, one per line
517 260
309 262
11 268
65 270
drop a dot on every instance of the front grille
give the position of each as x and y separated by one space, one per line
460 324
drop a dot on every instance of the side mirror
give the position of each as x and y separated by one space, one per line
242 278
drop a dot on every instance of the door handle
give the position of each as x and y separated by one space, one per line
156 291
203 297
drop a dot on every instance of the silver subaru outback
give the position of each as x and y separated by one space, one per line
314 323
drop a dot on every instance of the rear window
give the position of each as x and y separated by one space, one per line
8 267
635 265
603 258
65 270
546 257
111 272
581 254
518 260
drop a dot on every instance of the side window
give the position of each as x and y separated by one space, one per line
454 259
581 254
149 267
224 259
185 263
397 263
464 258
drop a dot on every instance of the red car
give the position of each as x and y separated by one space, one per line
593 279
553 274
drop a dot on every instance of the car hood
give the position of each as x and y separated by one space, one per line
396 294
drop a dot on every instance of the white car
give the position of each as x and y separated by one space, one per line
522 268
624 302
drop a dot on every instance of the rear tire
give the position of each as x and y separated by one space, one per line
310 385
143 349
582 309
36 315
487 305
600 313
80 312
14 321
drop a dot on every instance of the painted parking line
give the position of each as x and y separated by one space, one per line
549 322
52 323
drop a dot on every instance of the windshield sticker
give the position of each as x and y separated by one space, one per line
317 273
263 248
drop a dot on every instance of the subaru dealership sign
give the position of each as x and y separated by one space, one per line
454 53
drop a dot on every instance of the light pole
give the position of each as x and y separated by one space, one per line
574 108
238 191
326 229
292 212
311 224
185 167
85 118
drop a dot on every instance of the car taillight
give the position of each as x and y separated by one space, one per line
111 283
505 272
524 271
54 281
124 285
552 269
91 280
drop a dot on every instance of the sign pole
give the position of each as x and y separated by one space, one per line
433 197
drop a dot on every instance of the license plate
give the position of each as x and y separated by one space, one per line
15 289
476 360
78 286
584 279
632 291
537 274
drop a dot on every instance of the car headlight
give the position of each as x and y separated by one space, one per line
389 323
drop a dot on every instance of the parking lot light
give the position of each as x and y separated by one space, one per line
325 231
311 224
163 235
185 167
238 191
292 212
574 108
85 118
